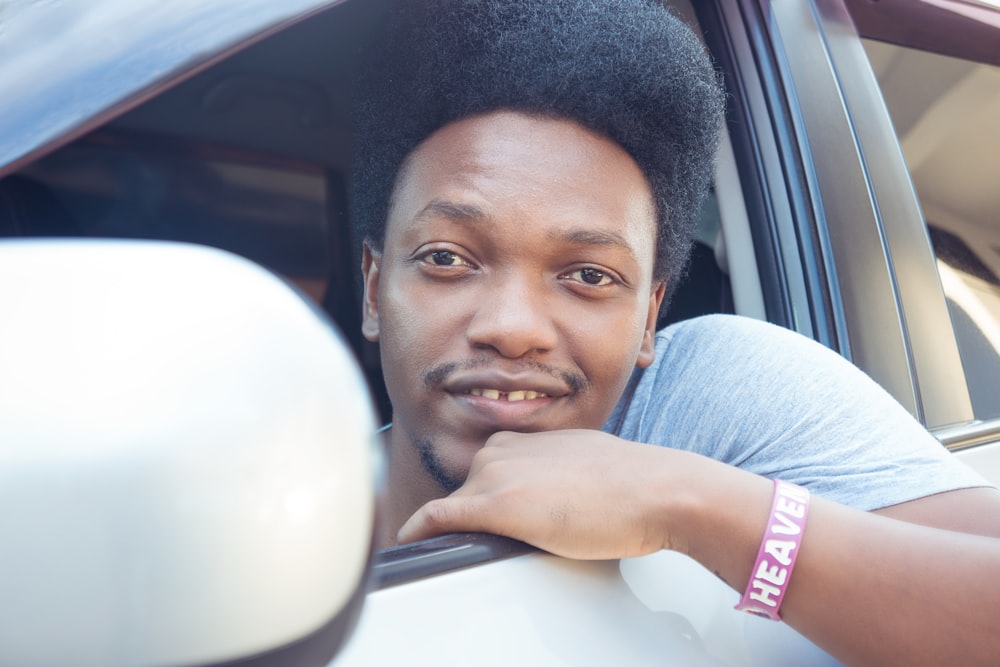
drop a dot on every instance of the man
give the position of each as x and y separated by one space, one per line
528 177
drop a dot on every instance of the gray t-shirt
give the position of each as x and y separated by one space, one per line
778 404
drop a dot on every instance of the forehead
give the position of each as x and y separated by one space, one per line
509 166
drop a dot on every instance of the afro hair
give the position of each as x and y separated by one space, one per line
627 69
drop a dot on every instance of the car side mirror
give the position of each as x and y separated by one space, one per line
187 461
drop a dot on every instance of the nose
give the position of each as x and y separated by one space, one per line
514 319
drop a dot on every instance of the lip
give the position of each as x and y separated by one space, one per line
492 414
462 384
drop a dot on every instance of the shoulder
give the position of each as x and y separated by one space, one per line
722 331
726 364
730 348
777 403
754 370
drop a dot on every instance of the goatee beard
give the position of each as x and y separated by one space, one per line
432 466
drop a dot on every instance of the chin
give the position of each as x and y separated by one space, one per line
448 473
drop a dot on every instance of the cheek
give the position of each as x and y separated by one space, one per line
415 326
607 350
616 359
401 352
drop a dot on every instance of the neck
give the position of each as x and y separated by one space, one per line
408 486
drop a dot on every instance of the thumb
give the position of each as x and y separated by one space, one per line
454 514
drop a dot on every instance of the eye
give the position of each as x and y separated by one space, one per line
445 258
592 276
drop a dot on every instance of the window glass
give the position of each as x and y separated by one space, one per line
272 211
946 112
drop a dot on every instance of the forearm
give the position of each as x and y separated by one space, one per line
901 593
871 590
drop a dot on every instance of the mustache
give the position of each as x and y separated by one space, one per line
438 374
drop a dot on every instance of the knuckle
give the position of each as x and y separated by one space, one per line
438 514
502 438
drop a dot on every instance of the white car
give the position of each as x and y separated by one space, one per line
188 459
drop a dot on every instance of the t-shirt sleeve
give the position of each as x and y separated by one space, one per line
778 404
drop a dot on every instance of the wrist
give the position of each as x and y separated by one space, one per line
717 516
779 549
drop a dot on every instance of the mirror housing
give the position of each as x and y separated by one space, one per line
187 461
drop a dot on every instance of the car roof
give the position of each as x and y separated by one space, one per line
71 66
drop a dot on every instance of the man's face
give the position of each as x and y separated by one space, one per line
515 287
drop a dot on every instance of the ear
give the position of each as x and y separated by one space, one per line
370 261
647 348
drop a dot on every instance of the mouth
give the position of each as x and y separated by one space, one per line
489 399
510 396
490 409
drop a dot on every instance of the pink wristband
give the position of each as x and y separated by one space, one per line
778 551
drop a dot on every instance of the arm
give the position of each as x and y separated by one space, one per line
871 588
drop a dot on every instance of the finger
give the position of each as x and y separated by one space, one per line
454 514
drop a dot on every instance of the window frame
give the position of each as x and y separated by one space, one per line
873 295
954 29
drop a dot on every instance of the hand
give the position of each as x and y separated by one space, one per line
580 494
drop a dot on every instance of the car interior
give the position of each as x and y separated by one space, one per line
254 154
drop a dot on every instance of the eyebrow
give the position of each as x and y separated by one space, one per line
593 237
440 208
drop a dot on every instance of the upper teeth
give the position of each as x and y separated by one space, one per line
519 395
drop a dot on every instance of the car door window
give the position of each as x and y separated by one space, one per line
945 112
273 211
